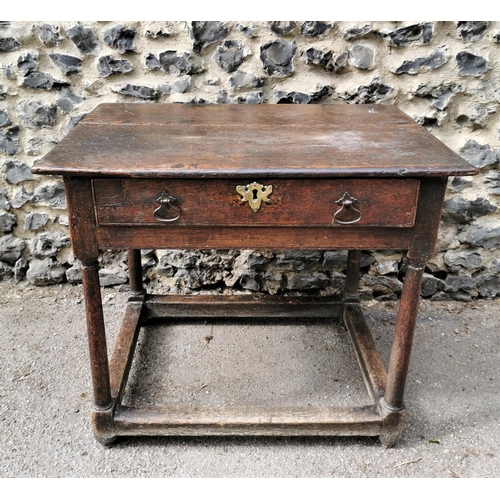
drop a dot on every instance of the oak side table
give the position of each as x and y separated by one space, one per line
178 176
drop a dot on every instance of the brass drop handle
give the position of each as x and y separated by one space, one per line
347 213
167 204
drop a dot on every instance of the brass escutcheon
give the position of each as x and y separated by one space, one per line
255 194
347 213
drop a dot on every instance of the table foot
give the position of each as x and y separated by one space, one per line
392 424
102 426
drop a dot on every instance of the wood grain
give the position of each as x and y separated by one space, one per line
172 140
293 202
241 306
260 421
257 238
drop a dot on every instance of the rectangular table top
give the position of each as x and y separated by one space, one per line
261 140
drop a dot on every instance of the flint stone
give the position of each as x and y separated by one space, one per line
430 285
471 65
48 244
84 38
456 283
35 220
27 63
20 268
471 31
436 59
479 156
257 262
44 81
250 281
229 55
438 96
180 86
489 285
297 260
49 35
11 248
335 259
306 281
204 33
51 195
486 235
277 57
7 221
178 259
495 265
380 287
4 24
68 100
250 98
16 172
281 97
387 267
21 198
458 184
139 91
242 79
74 274
35 114
112 275
160 32
74 121
170 62
120 38
45 272
109 66
463 211
9 139
8 72
362 57
457 260
353 33
9 44
248 31
328 60
375 93
4 203
66 63
282 27
314 28
6 271
496 36
4 118
408 34
492 182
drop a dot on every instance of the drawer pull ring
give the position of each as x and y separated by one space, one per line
166 205
347 212
255 194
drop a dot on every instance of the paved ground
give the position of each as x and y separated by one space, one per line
452 398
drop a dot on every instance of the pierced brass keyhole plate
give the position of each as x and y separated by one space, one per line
255 194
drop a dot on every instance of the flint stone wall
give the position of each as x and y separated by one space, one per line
445 75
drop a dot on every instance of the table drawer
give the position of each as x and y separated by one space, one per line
256 202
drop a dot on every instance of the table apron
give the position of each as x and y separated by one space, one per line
223 238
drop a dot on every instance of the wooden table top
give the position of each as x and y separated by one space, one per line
262 140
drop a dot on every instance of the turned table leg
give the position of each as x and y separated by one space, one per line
351 292
422 245
135 273
102 413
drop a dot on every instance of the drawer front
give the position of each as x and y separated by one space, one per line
245 202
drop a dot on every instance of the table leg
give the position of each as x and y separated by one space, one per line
392 403
351 292
425 232
135 272
102 412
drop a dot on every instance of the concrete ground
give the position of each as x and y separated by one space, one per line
453 400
